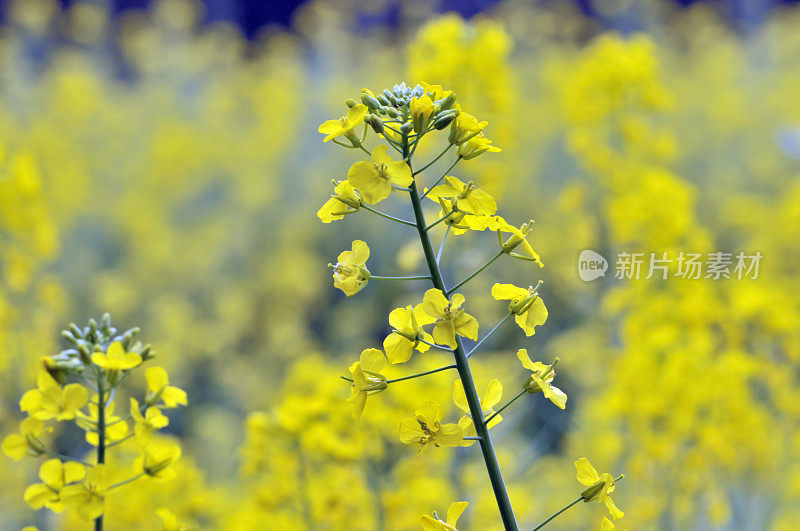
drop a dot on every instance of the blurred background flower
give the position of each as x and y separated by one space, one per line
163 164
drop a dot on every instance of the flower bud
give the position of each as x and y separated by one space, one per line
350 102
369 100
406 128
375 123
444 119
448 102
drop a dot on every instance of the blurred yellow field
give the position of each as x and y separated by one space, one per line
175 175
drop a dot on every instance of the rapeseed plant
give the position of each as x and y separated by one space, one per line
402 117
100 359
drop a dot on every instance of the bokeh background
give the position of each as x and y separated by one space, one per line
163 164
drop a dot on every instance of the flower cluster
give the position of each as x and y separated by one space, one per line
400 118
79 385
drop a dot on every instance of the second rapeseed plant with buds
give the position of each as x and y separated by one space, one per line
98 361
400 117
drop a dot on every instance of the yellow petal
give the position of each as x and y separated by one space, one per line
156 378
454 512
398 349
587 475
508 292
434 302
494 392
430 411
450 435
522 355
372 359
459 397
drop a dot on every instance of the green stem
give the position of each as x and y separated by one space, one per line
475 348
387 216
421 374
493 415
434 345
464 372
422 169
121 483
441 246
484 266
101 434
67 458
556 514
418 277
440 178
432 225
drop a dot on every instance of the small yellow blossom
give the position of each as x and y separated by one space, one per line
87 497
599 487
464 128
344 126
422 109
407 324
475 146
350 273
606 525
345 200
493 394
116 359
469 198
26 442
432 523
528 307
367 379
451 319
51 401
374 178
540 378
516 239
146 424
116 428
425 429
436 92
158 388
156 458
54 475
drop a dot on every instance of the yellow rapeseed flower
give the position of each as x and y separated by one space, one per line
464 128
345 200
422 109
115 427
344 126
451 319
374 178
88 496
599 486
367 379
407 324
158 388
146 424
528 307
350 273
516 239
475 146
469 198
157 458
116 359
51 401
26 442
432 523
54 475
540 378
493 394
426 428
